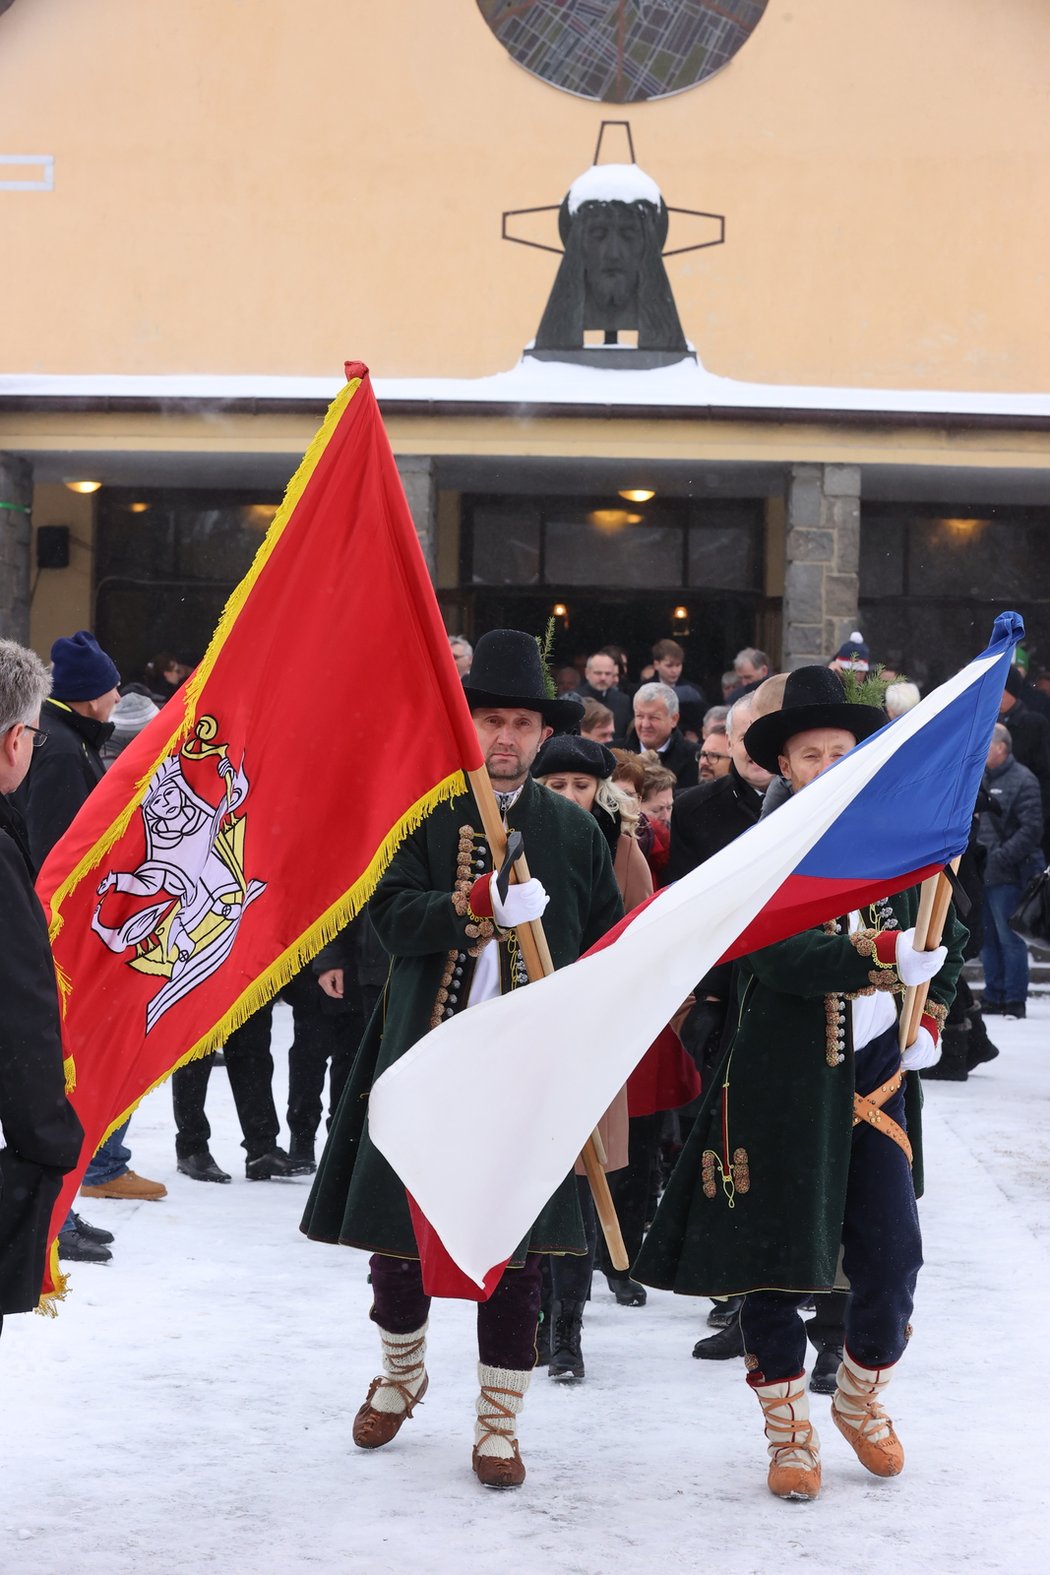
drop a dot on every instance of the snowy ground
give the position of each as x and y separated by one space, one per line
189 1411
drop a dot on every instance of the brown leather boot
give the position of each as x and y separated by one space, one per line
496 1460
794 1448
395 1394
860 1418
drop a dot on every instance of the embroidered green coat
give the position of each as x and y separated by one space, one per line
757 1198
420 915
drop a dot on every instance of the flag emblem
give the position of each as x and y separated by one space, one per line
178 911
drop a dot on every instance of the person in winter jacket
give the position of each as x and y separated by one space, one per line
76 718
1011 830
41 1132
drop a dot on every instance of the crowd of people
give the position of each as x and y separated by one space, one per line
619 790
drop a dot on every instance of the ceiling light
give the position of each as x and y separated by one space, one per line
259 516
637 494
138 508
612 519
83 486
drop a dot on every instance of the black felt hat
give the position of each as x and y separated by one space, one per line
572 754
813 697
507 670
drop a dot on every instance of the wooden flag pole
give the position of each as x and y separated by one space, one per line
935 895
538 963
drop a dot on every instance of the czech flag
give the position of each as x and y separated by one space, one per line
484 1117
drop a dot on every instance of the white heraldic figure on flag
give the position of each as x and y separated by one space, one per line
193 868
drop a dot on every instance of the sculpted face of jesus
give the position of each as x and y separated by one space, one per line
510 740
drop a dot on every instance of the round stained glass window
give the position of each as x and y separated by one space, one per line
622 51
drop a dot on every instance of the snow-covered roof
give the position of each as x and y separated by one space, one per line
613 183
686 385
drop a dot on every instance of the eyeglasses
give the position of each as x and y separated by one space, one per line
709 755
39 736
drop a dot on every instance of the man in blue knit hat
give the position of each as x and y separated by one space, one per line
76 722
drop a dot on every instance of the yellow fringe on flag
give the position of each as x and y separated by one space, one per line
281 971
329 924
194 685
48 1305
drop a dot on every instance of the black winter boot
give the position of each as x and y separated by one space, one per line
725 1312
824 1377
955 1050
721 1347
566 1356
543 1337
980 1048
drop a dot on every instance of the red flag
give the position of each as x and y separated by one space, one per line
257 812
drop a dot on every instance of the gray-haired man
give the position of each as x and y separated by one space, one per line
42 1135
656 728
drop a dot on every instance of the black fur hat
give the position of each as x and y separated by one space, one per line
507 670
813 697
570 754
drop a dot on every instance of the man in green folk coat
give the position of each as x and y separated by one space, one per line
789 1183
453 943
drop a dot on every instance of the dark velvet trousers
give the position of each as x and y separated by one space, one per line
882 1249
506 1322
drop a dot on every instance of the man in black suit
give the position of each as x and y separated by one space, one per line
707 818
600 678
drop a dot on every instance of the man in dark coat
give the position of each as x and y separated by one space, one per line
600 677
710 816
803 1149
453 943
1010 830
76 719
1029 740
41 1132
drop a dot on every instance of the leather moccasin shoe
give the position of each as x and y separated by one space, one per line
499 1471
372 1429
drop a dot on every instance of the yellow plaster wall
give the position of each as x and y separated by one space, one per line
91 433
272 186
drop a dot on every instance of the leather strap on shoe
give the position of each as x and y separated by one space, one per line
408 1365
794 1432
868 1107
498 1413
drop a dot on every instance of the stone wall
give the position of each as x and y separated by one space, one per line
419 480
16 494
822 560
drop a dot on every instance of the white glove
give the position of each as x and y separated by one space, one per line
521 904
916 967
924 1052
